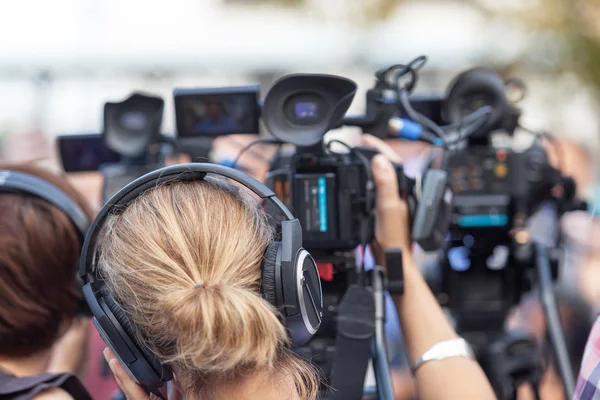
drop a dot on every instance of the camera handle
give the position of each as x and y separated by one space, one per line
355 333
553 325
381 365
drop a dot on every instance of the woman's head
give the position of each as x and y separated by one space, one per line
184 261
39 246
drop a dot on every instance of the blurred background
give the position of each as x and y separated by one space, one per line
61 60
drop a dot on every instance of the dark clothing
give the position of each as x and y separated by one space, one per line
24 388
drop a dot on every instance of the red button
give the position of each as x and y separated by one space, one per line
325 271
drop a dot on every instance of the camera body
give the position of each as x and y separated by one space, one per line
332 195
487 265
327 194
493 187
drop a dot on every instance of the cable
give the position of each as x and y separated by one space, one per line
467 126
254 153
248 146
473 126
381 365
554 327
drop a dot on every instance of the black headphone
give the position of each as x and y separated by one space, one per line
28 185
290 279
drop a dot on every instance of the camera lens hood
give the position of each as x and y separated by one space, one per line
481 83
301 108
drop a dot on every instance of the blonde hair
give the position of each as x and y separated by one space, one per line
184 261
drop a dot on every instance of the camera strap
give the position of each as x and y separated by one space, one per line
355 332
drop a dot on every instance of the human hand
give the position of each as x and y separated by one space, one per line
391 211
132 390
70 353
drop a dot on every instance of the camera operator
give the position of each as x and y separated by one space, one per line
43 342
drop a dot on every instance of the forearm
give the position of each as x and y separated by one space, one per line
425 324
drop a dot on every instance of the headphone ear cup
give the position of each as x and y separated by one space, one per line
268 286
127 326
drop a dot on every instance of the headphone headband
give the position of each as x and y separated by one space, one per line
26 184
176 173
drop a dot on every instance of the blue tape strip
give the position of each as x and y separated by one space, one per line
486 220
322 205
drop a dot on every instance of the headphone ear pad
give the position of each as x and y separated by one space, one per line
123 319
268 285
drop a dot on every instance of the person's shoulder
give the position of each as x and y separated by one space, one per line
592 348
590 365
53 394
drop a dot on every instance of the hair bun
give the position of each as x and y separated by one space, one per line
222 328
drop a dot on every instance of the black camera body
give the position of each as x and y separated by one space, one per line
487 265
493 187
488 258
331 195
328 195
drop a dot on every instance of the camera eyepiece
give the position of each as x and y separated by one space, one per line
300 108
473 89
132 125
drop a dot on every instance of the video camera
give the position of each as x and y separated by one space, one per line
489 259
331 193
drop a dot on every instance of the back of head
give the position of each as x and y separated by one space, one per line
184 262
39 246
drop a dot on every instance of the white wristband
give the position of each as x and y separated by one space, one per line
448 348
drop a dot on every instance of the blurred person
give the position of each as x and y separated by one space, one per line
255 161
577 318
42 341
199 261
215 119
25 146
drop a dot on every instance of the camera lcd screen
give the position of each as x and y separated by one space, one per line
84 153
216 112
